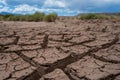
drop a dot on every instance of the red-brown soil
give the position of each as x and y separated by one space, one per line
61 50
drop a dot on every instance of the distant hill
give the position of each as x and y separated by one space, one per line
5 13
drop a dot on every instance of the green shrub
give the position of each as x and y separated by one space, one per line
1 18
8 15
14 18
50 17
27 18
37 16
91 16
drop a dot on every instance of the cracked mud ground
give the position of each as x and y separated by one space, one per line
67 50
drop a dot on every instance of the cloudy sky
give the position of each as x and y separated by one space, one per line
62 7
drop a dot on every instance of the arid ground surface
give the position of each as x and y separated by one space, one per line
61 50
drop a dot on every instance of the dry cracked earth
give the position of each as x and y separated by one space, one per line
64 50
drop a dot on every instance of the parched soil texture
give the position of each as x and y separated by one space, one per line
61 50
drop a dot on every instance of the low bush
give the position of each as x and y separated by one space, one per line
37 16
50 17
1 17
92 16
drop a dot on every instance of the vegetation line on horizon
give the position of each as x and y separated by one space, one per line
40 16
37 16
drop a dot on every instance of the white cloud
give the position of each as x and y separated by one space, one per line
54 3
111 1
105 1
3 2
5 9
91 5
25 8
59 6
1 6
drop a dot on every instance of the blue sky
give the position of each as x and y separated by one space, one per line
61 7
